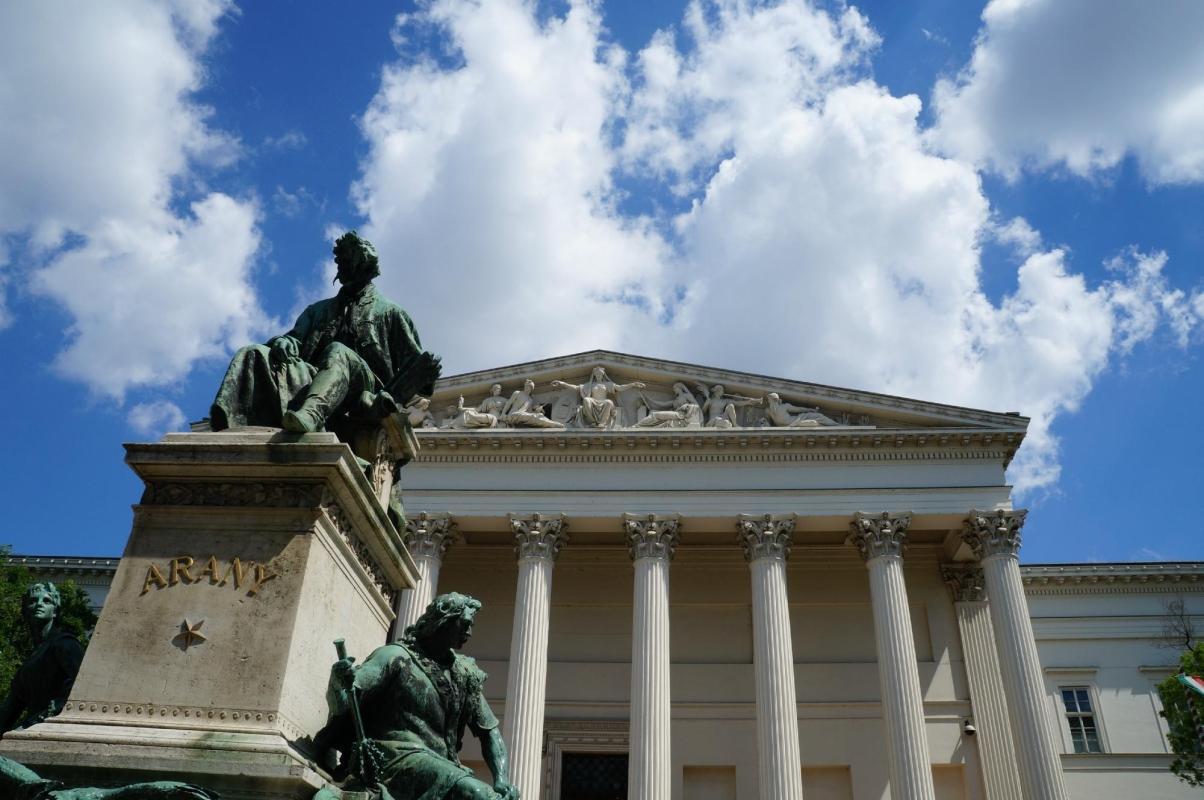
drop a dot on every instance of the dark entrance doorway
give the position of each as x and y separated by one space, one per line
593 776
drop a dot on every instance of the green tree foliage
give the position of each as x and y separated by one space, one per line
75 617
1184 713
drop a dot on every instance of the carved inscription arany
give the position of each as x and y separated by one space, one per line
188 570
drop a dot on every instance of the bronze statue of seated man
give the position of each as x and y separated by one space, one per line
355 354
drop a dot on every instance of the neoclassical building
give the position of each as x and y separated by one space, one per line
704 584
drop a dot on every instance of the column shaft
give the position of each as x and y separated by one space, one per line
427 537
1036 749
526 686
994 738
995 538
777 705
538 540
412 602
650 768
902 701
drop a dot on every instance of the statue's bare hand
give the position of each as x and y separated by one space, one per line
342 673
506 791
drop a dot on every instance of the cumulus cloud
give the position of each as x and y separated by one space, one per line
823 239
1081 84
99 133
489 187
155 418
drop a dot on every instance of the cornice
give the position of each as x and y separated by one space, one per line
71 565
1115 577
607 358
714 445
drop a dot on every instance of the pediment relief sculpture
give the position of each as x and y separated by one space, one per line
601 403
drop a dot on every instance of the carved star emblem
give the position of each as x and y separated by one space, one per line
190 634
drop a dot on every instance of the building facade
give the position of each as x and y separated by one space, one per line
707 584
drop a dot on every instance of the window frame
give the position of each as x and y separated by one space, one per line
1059 678
1081 692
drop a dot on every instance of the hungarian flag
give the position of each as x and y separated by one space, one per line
1193 682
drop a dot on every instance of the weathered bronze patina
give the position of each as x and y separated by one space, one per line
415 698
41 685
356 354
18 782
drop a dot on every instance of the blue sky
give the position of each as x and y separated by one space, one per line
999 207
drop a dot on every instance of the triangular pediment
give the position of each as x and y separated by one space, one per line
648 394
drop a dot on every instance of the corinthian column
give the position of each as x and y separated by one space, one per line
880 539
427 537
766 541
994 739
538 540
994 536
651 541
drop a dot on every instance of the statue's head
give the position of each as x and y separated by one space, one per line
448 619
40 603
598 375
718 389
356 259
528 386
495 389
773 398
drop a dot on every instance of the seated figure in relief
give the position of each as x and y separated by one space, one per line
487 414
416 697
42 683
720 408
522 411
419 414
683 411
355 354
597 409
784 415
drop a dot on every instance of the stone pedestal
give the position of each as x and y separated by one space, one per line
250 553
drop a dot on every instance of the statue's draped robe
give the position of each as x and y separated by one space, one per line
597 410
43 682
380 336
417 713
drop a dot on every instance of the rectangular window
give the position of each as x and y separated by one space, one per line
1080 718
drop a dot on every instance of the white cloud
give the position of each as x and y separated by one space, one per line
1018 234
1081 84
98 131
824 240
155 418
488 189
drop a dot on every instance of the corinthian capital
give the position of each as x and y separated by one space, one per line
765 535
538 536
652 535
965 581
993 533
879 534
429 534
